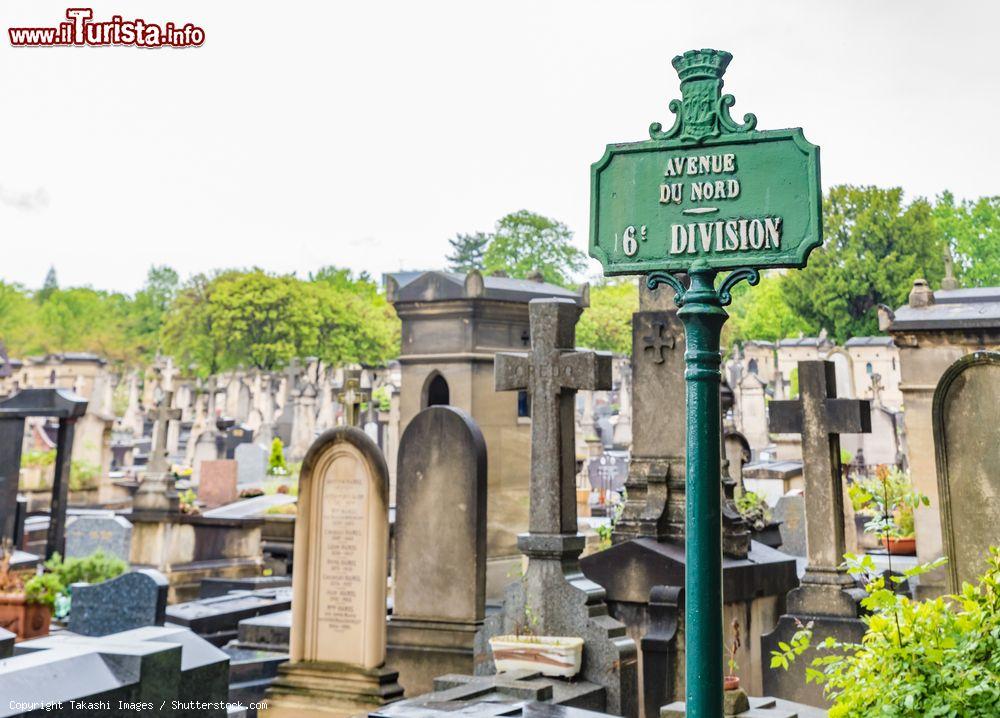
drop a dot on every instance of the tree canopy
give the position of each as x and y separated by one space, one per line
606 325
874 246
212 322
467 251
971 231
520 244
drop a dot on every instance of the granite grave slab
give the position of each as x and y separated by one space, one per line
134 599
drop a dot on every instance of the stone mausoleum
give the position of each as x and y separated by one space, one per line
453 325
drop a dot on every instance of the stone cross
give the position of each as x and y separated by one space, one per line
658 342
163 416
352 396
552 373
877 388
820 417
560 600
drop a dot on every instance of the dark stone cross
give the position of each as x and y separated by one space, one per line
352 396
552 373
658 342
820 417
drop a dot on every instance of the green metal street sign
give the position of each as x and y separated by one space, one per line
704 196
707 189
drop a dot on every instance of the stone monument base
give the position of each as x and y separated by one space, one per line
791 684
514 693
329 690
752 708
187 549
422 650
754 591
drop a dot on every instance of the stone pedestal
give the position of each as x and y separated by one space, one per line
754 590
329 690
566 603
831 602
187 549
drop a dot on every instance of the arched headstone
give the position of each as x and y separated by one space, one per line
966 422
440 550
338 630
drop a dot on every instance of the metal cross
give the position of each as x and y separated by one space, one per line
552 373
658 342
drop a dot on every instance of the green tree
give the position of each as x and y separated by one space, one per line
524 242
971 230
83 319
18 319
190 328
256 319
467 252
875 246
266 320
149 307
606 325
50 285
354 328
762 313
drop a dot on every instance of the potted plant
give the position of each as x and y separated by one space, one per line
25 606
890 500
732 681
558 656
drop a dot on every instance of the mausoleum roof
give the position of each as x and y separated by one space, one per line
435 286
876 341
977 308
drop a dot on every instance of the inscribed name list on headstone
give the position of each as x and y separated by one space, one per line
340 574
345 495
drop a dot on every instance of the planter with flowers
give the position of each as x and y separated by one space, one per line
25 605
889 500
559 656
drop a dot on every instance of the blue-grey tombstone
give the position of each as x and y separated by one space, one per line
251 464
110 534
132 600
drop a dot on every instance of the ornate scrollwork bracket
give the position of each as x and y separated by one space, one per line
735 277
655 279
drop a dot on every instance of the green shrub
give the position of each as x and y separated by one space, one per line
44 588
382 398
918 658
35 457
276 465
95 568
83 475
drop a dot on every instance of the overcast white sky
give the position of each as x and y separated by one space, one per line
366 134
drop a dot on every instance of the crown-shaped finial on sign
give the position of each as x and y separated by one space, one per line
704 110
702 64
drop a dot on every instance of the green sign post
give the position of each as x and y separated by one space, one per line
705 196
